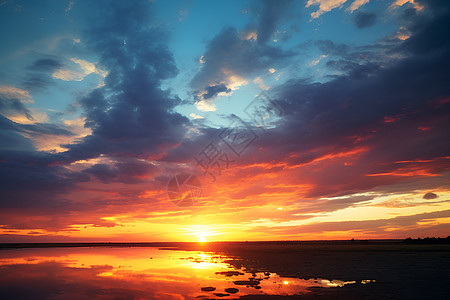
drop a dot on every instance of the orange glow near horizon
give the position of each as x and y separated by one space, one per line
269 202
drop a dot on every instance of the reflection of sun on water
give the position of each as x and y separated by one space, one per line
163 272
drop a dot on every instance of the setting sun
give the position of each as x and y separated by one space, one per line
202 239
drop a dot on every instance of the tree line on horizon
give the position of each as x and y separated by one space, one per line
428 240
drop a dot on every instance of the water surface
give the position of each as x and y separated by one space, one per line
140 273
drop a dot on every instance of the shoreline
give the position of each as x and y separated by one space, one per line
225 244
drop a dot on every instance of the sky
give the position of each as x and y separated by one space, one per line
139 121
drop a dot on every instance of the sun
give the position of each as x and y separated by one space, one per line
202 239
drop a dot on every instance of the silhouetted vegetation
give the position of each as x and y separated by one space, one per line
428 240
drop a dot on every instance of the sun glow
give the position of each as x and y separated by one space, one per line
202 239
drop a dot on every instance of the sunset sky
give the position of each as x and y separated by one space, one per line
299 120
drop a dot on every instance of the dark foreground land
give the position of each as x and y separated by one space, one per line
401 270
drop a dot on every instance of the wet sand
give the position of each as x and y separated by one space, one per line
401 271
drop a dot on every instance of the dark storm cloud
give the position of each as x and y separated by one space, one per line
11 138
130 115
15 132
27 176
437 6
364 19
430 196
409 14
126 171
38 74
14 105
357 61
29 182
47 129
267 14
352 68
212 91
432 36
33 129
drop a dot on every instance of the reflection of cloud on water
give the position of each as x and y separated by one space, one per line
142 273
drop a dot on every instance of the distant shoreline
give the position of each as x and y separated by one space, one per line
218 243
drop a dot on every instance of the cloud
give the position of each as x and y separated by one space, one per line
13 92
118 113
69 7
399 3
430 195
429 37
229 57
65 132
357 4
229 60
11 138
333 135
267 16
183 14
330 48
393 227
195 116
324 6
13 100
213 90
38 74
260 83
45 64
408 201
125 170
83 69
232 57
365 19
31 123
328 5
316 61
128 120
205 105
